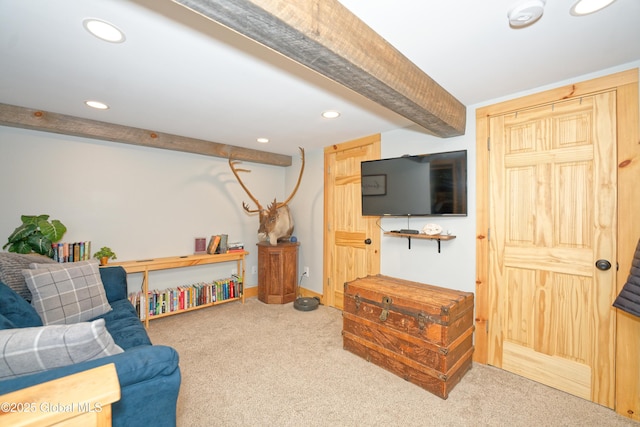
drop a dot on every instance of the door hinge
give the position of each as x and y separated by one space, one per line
488 143
487 327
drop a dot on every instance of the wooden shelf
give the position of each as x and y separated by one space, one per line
144 266
409 236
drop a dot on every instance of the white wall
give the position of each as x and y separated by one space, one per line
454 266
153 202
307 208
141 202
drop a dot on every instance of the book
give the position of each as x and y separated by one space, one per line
223 246
235 247
213 244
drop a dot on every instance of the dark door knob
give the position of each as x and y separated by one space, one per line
603 264
367 241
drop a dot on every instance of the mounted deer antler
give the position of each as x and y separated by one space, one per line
232 165
276 222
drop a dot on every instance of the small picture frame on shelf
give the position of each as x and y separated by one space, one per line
200 245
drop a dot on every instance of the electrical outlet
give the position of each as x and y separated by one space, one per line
254 269
234 271
306 272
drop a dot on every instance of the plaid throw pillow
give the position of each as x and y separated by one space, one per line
11 266
28 350
67 293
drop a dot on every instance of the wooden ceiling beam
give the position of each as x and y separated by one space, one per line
26 118
326 37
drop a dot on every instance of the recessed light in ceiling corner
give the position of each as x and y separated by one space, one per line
103 30
525 13
262 140
97 105
586 7
331 114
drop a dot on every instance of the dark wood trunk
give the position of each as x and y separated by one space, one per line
419 332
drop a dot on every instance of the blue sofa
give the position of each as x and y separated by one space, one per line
149 374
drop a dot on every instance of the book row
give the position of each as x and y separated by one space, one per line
185 297
71 252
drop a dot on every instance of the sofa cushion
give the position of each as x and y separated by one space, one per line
115 282
125 326
28 350
11 266
6 323
16 309
67 293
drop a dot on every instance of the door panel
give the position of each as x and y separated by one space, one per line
347 257
552 215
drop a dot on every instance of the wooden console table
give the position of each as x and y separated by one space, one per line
144 266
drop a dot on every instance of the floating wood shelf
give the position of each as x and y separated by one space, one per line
409 236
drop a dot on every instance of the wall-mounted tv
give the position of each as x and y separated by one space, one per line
421 185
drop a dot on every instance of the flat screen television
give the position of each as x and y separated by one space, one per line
421 185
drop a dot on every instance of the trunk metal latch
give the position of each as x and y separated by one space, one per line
386 303
358 300
422 319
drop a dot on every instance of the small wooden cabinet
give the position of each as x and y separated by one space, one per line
277 272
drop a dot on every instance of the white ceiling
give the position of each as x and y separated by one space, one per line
182 74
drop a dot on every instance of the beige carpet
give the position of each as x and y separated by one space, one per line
271 365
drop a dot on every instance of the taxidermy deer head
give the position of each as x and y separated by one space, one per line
276 223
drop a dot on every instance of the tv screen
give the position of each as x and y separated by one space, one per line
420 185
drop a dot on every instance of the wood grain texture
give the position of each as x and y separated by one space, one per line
346 256
419 332
82 399
627 382
144 266
553 215
26 118
327 38
277 272
628 326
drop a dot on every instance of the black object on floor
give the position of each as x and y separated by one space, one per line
306 303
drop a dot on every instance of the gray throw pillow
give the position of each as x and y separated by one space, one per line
67 293
29 350
11 266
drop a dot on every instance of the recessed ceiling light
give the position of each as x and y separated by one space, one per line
263 140
585 7
97 105
104 30
525 13
330 114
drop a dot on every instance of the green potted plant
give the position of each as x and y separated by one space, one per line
35 234
104 255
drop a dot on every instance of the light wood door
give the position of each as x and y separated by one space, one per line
552 216
352 242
